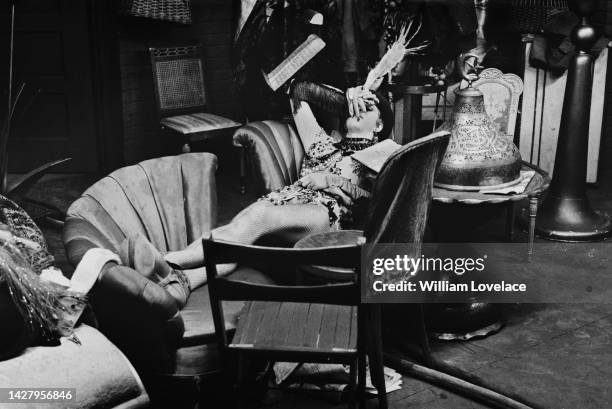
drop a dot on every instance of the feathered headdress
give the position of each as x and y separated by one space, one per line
396 53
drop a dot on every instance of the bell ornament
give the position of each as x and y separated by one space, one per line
479 157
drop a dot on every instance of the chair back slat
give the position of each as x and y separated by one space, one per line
179 79
338 294
222 288
220 252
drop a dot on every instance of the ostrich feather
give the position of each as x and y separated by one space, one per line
37 301
396 53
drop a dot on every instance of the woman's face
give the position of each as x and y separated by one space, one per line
367 124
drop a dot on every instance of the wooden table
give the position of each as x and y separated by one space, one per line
538 184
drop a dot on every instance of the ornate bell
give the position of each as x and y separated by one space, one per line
479 156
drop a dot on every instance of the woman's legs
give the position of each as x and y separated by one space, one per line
289 222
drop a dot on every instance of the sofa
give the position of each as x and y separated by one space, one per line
172 201
273 154
99 372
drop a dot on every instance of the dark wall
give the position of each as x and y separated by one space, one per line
213 25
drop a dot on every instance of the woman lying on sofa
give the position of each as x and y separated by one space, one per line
323 199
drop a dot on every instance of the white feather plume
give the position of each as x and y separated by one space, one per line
396 53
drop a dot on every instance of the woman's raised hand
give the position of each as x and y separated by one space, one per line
360 100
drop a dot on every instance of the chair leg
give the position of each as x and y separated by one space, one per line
361 379
423 338
353 395
238 392
377 368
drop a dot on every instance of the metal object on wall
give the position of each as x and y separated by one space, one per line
478 157
566 214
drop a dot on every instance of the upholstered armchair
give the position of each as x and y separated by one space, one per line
272 154
172 201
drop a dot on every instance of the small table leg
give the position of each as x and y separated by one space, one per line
533 212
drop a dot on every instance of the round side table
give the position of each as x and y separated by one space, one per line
538 185
479 318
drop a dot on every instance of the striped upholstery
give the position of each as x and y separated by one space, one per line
275 152
172 201
200 122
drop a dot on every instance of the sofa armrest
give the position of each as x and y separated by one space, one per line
274 153
137 315
100 373
118 284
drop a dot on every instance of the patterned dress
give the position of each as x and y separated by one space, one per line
325 155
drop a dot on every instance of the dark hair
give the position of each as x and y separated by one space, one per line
386 116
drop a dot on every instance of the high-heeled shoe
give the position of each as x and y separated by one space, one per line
138 252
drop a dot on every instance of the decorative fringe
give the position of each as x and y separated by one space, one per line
37 301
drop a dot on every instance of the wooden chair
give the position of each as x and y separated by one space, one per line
502 94
320 323
181 100
397 214
399 209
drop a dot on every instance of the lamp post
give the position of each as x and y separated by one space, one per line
566 214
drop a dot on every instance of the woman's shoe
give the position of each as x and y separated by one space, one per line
177 285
